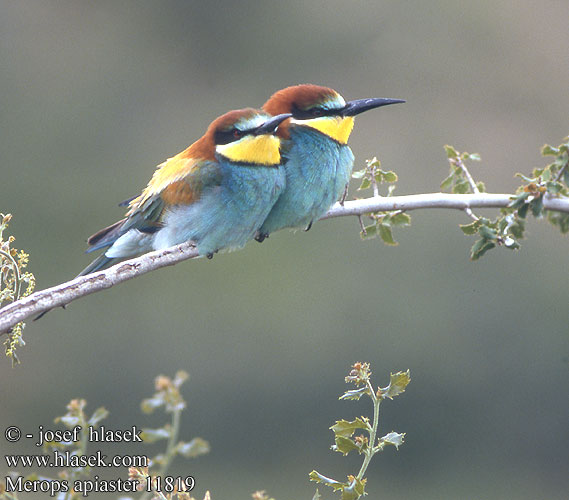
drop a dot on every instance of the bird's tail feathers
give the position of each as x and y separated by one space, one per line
100 263
106 236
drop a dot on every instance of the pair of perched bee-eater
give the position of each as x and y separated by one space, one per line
252 173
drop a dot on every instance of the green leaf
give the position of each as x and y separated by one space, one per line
502 224
527 179
354 490
523 211
401 219
373 163
558 163
517 228
397 384
319 478
471 156
447 183
536 206
346 428
194 448
450 152
349 494
548 150
566 176
98 415
559 220
546 174
386 234
393 438
480 248
555 188
471 228
355 394
518 201
153 435
487 233
481 187
150 404
366 183
69 420
461 187
564 223
388 176
370 232
358 174
181 377
344 445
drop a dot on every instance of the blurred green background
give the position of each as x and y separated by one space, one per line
95 94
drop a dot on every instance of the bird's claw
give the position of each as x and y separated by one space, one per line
211 254
344 195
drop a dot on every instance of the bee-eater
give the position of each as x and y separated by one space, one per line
318 161
216 193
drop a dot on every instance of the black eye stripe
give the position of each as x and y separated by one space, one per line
226 136
314 112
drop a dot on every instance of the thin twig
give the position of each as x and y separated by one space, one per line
374 185
471 214
362 226
372 433
561 171
15 270
460 164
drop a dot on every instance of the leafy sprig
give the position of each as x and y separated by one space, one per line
15 283
382 222
509 227
551 180
366 443
168 397
459 180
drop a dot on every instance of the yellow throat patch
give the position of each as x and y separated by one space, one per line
336 127
256 149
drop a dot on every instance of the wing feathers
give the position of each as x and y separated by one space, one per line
168 173
105 237
176 181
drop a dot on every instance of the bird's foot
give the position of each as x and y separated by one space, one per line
307 228
41 315
344 195
260 237
211 254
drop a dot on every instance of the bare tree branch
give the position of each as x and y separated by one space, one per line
435 200
65 293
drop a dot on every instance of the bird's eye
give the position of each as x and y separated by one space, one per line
316 112
236 133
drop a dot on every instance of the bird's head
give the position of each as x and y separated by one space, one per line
242 136
320 108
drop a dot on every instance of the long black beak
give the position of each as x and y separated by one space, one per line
270 126
358 106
